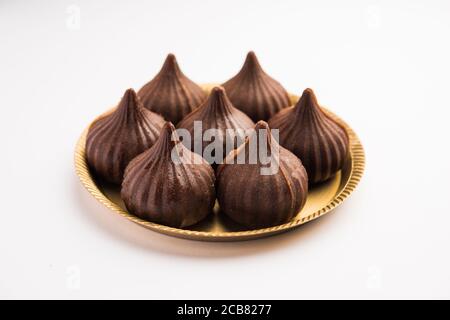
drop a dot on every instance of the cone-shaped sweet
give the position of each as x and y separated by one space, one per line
261 191
115 139
170 93
256 93
319 141
168 184
228 124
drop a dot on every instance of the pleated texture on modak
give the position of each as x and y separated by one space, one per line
261 191
320 142
254 92
227 126
115 139
170 93
168 184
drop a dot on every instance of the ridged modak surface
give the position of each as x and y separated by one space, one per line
217 112
258 200
256 93
114 140
170 93
168 184
320 142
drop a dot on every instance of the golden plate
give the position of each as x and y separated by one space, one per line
322 199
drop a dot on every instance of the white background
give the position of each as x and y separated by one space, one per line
383 66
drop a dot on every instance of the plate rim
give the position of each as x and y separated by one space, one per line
358 165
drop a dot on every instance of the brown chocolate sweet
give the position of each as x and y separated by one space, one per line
319 141
168 184
254 92
170 93
262 193
115 139
218 113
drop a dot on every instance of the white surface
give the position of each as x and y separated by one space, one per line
381 65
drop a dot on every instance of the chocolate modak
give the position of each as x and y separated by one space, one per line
168 184
225 124
261 191
170 93
320 142
254 92
115 139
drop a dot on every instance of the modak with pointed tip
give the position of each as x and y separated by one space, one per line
320 142
115 139
267 191
254 92
170 93
168 184
227 122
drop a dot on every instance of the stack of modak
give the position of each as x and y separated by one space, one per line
165 178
